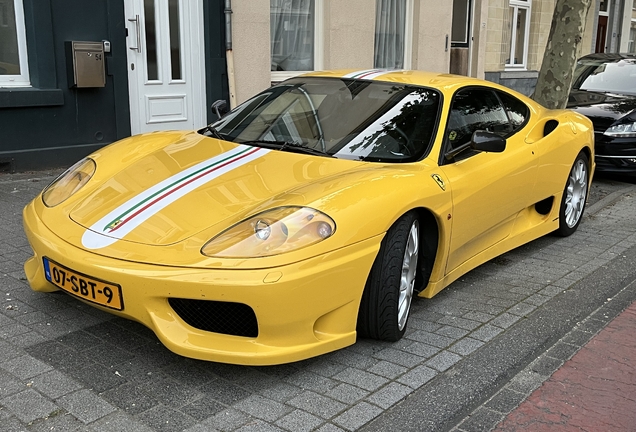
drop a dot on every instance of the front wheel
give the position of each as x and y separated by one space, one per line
386 301
574 197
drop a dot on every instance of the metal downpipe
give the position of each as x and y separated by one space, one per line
229 54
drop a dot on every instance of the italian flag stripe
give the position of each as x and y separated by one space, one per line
153 199
370 73
361 74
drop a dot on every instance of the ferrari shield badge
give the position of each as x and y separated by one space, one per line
439 181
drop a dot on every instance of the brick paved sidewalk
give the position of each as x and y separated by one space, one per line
593 391
65 366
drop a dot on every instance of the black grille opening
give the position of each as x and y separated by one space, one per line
235 319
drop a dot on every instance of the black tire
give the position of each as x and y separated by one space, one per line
574 196
385 304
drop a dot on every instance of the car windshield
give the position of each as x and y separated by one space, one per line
609 77
342 118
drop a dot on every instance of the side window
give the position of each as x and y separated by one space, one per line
518 112
475 109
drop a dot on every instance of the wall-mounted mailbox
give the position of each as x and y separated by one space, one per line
87 62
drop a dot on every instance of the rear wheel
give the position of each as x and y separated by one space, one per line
386 301
574 197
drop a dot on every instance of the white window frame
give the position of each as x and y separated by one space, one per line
21 80
319 14
603 13
469 13
516 5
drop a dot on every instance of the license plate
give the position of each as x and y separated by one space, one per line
85 287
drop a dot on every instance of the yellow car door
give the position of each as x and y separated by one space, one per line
488 189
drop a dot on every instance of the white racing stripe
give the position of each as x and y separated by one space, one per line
370 73
128 216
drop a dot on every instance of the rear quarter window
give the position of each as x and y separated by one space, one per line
517 111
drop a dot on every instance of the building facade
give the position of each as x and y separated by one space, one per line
277 39
499 40
79 74
517 33
76 75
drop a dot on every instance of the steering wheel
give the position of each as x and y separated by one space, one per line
404 146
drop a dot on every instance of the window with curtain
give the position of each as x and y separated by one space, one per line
292 34
390 34
13 61
516 30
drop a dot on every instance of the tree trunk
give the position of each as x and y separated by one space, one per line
562 50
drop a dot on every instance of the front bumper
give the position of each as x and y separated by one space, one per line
615 155
618 165
302 309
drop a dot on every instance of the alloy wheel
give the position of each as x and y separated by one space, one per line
409 269
576 193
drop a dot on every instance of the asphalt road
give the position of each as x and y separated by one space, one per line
471 353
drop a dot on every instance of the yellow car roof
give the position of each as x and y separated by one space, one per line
415 77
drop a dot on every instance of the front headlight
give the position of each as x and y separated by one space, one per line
272 232
625 130
69 182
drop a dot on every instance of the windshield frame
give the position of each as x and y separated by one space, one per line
404 99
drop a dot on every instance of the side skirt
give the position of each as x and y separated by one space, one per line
529 225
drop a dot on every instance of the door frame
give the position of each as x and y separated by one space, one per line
461 51
193 39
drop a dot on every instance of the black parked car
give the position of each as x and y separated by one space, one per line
604 90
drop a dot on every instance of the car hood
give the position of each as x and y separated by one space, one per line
174 191
601 108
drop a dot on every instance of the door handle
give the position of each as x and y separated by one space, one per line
138 32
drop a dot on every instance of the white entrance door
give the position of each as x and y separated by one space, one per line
166 65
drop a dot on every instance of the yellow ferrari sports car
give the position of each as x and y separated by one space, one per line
311 214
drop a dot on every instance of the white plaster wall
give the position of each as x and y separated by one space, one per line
432 23
480 26
251 46
628 13
349 34
590 32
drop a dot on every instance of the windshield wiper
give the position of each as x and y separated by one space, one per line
287 146
212 131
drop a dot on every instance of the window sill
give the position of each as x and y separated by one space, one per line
18 97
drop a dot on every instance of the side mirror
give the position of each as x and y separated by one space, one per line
219 107
480 141
487 142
